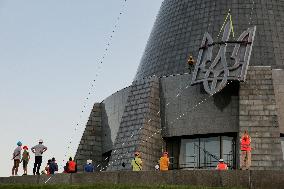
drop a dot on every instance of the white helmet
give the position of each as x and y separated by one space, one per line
89 161
157 167
40 141
221 160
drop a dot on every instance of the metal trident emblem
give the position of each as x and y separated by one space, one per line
215 75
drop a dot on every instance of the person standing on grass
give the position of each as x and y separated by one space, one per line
38 150
25 159
17 159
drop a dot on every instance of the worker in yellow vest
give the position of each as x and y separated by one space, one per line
164 162
136 163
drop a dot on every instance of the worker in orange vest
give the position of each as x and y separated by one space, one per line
222 166
245 151
71 166
164 162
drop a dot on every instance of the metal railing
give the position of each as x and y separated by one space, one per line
209 160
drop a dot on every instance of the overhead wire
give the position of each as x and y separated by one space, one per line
108 45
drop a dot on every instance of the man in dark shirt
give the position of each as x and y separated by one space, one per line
53 167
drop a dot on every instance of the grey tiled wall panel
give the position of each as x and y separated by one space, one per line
258 115
112 110
180 26
188 110
90 146
278 83
140 127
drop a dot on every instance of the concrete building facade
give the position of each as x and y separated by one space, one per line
161 110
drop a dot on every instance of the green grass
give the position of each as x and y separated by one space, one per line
103 186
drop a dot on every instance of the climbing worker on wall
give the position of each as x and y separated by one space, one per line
222 166
136 163
164 162
71 166
245 151
89 167
17 158
25 159
38 150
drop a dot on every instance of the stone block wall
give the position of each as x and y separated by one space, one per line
218 114
90 146
278 83
112 111
181 24
139 127
258 115
200 178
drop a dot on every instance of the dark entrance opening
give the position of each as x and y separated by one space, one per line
202 151
106 156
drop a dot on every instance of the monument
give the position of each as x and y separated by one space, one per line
198 114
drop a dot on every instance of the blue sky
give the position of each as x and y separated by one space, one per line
50 52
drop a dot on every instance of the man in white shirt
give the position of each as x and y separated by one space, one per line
38 150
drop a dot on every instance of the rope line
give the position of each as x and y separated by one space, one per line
224 23
251 12
228 16
108 45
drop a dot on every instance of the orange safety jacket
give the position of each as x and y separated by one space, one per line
245 144
222 166
47 170
164 164
71 166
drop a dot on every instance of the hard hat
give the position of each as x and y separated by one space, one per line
136 153
40 141
221 160
25 148
157 167
19 143
89 161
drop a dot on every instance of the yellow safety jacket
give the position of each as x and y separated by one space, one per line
136 164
